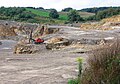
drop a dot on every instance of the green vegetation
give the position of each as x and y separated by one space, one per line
53 14
67 9
16 13
35 15
105 14
104 67
41 13
77 80
45 13
85 15
73 16
97 9
73 81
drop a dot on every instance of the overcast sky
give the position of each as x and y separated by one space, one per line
60 4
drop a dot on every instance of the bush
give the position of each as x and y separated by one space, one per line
73 81
107 13
54 14
73 16
104 66
67 9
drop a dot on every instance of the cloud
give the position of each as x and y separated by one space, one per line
60 4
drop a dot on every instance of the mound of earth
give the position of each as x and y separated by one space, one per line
105 24
113 19
7 31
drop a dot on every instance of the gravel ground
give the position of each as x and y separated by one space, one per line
47 67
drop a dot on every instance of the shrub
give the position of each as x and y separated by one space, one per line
104 66
78 80
53 14
67 9
73 16
73 81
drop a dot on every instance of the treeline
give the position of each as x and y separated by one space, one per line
16 14
97 9
22 14
104 14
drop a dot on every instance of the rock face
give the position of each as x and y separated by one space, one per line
26 49
44 30
7 31
57 43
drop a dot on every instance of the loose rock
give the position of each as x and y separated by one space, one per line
57 43
26 49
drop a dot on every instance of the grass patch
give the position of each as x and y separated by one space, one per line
44 13
39 12
73 81
103 66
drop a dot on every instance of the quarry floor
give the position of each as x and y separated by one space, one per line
45 67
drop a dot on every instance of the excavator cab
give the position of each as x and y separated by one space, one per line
38 41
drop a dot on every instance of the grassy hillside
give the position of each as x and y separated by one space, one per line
32 15
63 15
97 9
82 14
86 14
44 13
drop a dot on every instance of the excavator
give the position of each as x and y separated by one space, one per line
37 41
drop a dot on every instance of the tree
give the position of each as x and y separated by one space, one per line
53 14
67 9
73 16
107 13
40 8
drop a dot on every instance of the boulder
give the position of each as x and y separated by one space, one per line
26 49
57 43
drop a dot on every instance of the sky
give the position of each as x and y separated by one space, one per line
59 4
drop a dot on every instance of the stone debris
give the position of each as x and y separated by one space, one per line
57 43
7 31
26 49
90 41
